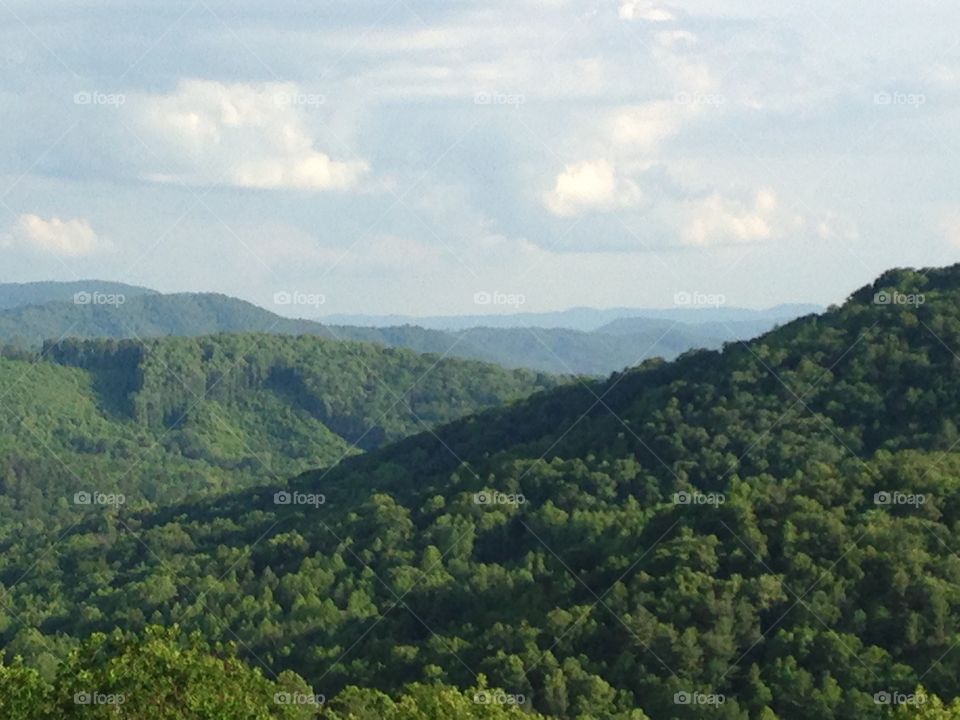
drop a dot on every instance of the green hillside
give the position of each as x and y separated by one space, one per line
168 419
763 532
144 316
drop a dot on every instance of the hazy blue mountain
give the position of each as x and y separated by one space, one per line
585 319
560 350
115 311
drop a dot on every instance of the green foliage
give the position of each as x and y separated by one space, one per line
427 702
547 545
923 706
161 676
208 415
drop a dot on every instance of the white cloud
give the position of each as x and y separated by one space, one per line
644 10
834 227
685 65
950 225
672 38
73 238
590 185
644 127
717 220
245 135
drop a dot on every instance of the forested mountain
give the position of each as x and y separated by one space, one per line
767 531
143 314
14 295
595 353
167 419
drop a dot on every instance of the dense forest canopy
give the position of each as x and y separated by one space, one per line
161 421
766 531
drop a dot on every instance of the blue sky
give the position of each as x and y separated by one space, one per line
406 156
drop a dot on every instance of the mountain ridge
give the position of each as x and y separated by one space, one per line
771 523
101 313
585 319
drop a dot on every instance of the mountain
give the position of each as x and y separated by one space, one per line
145 316
13 295
109 313
166 419
583 319
707 331
763 531
574 352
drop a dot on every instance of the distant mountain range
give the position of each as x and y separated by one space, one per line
585 319
548 342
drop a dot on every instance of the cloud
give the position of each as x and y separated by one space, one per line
950 225
635 134
643 10
244 135
590 185
833 227
684 63
73 238
674 38
717 220
644 127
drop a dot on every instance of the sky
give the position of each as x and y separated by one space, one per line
434 157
